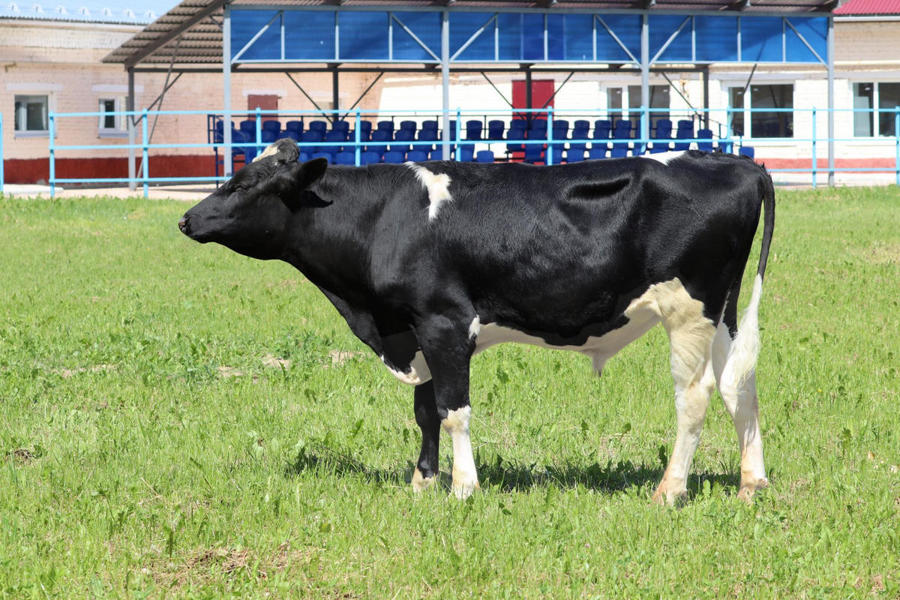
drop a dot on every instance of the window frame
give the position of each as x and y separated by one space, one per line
746 111
119 129
876 110
31 133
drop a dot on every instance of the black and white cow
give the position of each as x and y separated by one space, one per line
431 263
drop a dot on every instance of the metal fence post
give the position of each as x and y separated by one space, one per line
1 153
144 153
258 131
51 131
458 140
357 150
896 145
815 160
548 160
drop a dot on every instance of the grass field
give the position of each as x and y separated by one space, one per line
180 421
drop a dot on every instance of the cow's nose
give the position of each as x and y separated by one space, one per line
183 224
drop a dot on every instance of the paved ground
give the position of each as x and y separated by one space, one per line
188 193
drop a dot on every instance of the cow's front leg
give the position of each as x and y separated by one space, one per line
427 466
447 347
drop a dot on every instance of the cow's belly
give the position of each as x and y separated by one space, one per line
600 348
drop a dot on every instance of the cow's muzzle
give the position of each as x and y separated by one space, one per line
184 225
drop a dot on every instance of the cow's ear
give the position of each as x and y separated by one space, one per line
311 171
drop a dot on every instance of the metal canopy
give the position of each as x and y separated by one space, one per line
199 22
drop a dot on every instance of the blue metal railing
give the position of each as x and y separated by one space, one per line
550 146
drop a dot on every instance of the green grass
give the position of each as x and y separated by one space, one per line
151 446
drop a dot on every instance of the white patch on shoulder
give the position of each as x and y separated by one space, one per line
418 373
438 187
665 157
474 328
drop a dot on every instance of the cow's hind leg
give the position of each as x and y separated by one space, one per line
690 337
447 346
427 466
739 396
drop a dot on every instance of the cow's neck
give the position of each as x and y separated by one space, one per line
327 242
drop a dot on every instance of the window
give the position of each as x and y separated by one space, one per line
31 114
617 98
867 96
110 120
762 123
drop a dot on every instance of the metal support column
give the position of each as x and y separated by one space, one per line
227 159
645 81
830 64
129 106
706 97
529 94
445 83
335 95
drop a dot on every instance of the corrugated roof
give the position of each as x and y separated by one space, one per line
198 22
134 12
869 7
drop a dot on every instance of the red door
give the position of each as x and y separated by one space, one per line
541 95
264 102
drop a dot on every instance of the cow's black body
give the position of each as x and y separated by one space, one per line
556 253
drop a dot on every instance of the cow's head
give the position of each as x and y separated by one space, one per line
251 213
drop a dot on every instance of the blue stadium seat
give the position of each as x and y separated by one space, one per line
473 130
402 135
394 157
385 126
514 135
556 151
320 126
408 125
466 153
334 137
416 156
537 129
495 129
311 137
248 128
289 133
705 134
622 131
436 154
365 131
581 125
575 154
345 158
661 135
343 126
484 156
381 135
267 137
294 126
597 152
369 158
326 155
748 151
560 129
304 156
534 153
685 131
430 124
602 128
273 126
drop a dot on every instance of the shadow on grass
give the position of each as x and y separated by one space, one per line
508 477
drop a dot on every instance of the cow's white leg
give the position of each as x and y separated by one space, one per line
465 475
690 338
741 400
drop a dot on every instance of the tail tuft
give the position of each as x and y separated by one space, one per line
744 351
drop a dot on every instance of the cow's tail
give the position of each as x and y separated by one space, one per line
744 351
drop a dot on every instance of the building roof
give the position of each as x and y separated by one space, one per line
132 12
869 8
191 32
